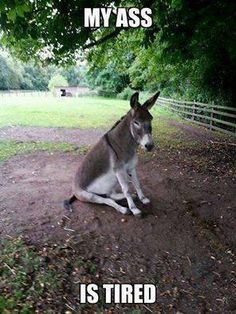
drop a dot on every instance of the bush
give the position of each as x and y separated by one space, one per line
105 92
107 80
126 93
57 80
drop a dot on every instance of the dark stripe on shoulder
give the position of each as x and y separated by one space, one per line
110 145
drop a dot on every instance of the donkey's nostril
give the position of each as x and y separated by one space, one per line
149 147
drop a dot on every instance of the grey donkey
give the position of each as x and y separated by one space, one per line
113 161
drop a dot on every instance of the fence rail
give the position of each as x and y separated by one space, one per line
214 117
13 93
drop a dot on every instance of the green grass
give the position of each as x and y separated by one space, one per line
41 278
46 278
11 148
83 112
25 277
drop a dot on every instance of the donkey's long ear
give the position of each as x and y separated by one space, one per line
134 101
151 101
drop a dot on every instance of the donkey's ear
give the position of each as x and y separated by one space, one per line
134 101
151 101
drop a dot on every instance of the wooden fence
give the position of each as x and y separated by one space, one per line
30 93
214 117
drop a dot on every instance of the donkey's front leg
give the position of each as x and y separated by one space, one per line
122 177
134 179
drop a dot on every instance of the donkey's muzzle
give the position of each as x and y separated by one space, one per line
149 147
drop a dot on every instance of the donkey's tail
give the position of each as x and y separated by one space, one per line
67 203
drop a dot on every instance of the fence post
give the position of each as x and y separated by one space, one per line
193 111
212 116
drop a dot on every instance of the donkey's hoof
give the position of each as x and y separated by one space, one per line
136 212
140 215
145 200
124 210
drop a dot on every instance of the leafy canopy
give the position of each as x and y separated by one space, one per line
189 51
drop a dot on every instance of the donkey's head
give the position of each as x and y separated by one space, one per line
141 121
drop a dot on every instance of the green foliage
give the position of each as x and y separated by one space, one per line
40 279
190 51
37 76
57 80
109 81
126 93
9 75
75 75
37 279
14 74
17 75
50 29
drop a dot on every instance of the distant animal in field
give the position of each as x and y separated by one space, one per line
113 160
64 93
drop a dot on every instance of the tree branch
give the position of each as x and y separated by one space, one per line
103 39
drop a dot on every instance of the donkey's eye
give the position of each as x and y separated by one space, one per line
136 123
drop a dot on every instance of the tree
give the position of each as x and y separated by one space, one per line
52 29
190 51
57 80
38 76
110 81
190 47
76 75
10 74
15 74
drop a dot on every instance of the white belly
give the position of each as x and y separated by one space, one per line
103 184
106 183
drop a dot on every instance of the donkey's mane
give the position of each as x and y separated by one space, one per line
117 122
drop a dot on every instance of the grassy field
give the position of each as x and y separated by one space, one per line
83 112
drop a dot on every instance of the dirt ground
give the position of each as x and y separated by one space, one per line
73 136
184 243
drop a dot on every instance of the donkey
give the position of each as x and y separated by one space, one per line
113 160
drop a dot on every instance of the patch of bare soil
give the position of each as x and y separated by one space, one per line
195 133
183 244
73 136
